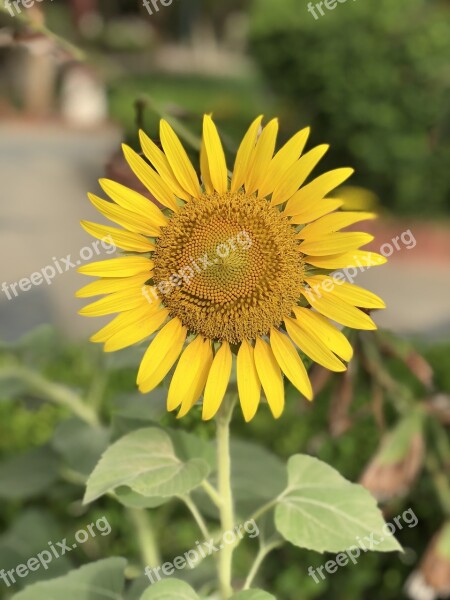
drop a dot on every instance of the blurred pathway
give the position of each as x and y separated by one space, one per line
45 172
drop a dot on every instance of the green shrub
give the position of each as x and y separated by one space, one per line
373 79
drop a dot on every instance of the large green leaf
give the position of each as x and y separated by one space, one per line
145 461
131 499
251 485
253 595
322 511
257 475
136 588
188 446
170 589
27 536
135 411
28 475
101 580
80 445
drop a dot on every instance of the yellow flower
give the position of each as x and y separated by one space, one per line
232 266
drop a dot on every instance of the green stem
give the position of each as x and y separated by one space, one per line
76 53
225 558
143 527
213 494
183 132
263 552
440 481
53 392
197 516
265 508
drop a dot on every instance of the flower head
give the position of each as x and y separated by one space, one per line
230 267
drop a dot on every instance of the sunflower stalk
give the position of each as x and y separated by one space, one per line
53 392
225 559
144 530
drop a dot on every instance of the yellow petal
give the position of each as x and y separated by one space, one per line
111 284
334 339
357 258
270 376
134 202
136 332
314 210
204 169
113 303
333 222
190 376
216 157
340 311
124 266
283 159
133 242
179 160
184 380
335 243
297 175
122 321
125 218
217 383
244 154
161 355
312 346
150 178
353 294
158 159
316 190
249 385
261 156
290 362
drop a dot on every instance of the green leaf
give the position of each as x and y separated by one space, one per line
11 387
136 588
188 446
80 445
322 511
29 475
145 461
27 537
131 499
251 486
101 580
135 411
253 595
170 589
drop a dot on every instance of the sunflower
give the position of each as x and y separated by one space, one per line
233 271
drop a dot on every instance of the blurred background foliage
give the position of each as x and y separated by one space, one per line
376 80
48 447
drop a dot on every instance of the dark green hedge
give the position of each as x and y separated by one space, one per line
373 79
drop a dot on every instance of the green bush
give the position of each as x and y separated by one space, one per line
373 79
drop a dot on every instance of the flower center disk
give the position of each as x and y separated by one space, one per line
228 266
